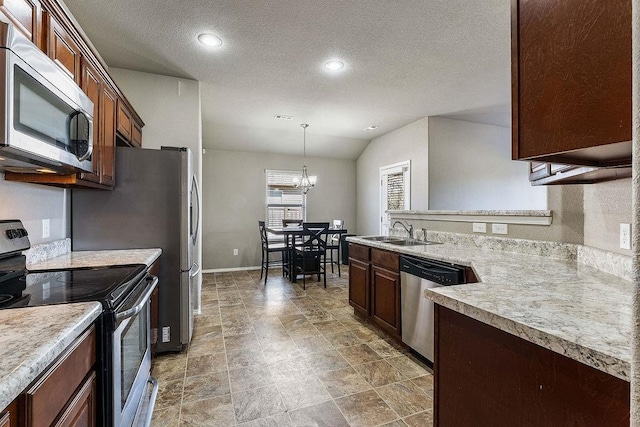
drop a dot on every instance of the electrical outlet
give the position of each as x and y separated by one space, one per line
499 229
479 227
625 236
235 252
46 228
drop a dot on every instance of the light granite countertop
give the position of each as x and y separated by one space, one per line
26 351
555 302
81 259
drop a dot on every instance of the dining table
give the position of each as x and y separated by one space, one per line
290 234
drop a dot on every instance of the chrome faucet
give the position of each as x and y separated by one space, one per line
408 229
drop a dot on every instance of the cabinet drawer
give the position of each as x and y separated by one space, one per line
359 252
386 259
50 394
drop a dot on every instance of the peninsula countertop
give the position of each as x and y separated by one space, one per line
567 307
80 259
26 351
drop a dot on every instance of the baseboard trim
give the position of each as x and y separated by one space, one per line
226 270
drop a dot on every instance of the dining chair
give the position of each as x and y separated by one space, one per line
269 248
310 256
333 244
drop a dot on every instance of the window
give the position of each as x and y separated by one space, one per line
395 194
284 200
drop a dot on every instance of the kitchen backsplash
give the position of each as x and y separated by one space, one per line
32 203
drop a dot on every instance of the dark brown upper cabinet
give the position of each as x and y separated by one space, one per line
571 81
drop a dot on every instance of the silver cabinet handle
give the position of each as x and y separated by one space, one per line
140 303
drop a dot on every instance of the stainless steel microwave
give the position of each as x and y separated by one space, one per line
48 119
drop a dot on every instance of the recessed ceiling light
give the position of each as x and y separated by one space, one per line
210 40
372 127
334 65
283 117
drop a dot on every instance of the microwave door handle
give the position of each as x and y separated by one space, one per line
140 303
90 150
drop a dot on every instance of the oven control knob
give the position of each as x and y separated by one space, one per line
22 232
11 234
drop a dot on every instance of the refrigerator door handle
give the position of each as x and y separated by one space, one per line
197 195
194 273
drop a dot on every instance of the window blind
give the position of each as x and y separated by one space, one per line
395 191
284 200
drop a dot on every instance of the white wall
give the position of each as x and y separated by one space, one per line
410 142
235 200
31 203
172 113
470 168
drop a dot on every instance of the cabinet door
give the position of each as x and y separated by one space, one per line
50 395
359 286
385 299
124 121
92 86
81 411
62 48
26 16
108 125
136 135
571 76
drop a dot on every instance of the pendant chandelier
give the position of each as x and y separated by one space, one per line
305 182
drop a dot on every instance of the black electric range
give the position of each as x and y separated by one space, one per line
107 285
123 342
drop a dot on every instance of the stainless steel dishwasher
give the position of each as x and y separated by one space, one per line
416 275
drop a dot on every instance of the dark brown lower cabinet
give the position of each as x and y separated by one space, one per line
10 416
374 287
488 377
385 297
81 412
64 395
359 286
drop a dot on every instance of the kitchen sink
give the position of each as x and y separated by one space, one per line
386 239
411 243
399 241
407 243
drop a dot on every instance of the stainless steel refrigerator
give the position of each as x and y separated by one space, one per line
155 203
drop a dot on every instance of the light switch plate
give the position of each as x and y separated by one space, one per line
479 227
499 229
625 236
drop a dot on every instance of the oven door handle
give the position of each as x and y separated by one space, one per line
140 303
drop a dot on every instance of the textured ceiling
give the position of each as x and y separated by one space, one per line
405 59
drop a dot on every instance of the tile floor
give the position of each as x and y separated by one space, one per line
276 355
